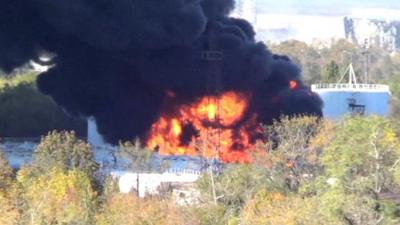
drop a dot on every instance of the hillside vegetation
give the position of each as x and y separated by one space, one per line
25 112
312 172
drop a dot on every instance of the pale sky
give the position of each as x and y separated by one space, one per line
332 7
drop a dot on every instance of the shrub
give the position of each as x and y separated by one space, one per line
65 151
57 197
128 209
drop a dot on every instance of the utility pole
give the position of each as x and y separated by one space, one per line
366 55
214 57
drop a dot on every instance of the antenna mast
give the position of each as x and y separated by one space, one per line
366 55
214 58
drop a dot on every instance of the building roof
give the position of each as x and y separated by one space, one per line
349 87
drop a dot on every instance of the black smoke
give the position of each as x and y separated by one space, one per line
118 60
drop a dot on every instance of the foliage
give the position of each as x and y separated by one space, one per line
211 214
270 207
126 209
331 73
25 112
65 151
9 213
234 187
345 172
322 63
6 173
395 89
137 156
14 81
343 175
57 197
294 159
363 145
362 163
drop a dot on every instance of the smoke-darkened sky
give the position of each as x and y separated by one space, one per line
118 60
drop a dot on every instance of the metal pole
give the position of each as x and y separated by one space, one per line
365 53
214 56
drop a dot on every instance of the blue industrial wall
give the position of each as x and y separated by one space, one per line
338 103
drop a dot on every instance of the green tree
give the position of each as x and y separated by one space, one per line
137 156
342 51
25 112
233 188
361 164
331 73
57 197
65 151
270 208
211 214
58 187
128 209
237 184
293 159
6 173
9 213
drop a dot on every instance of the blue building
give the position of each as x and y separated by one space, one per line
352 98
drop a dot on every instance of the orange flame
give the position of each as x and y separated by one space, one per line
213 126
293 84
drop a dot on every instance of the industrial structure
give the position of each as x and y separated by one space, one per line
353 98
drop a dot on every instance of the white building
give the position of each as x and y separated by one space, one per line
303 27
246 9
152 183
374 26
375 32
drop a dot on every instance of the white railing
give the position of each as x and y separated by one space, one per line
375 87
183 171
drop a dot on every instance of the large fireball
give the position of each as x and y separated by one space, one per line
216 126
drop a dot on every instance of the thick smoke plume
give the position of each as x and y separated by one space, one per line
119 60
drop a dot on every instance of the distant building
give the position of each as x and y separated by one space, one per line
156 183
373 32
309 28
246 9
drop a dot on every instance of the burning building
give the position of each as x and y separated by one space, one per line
181 75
